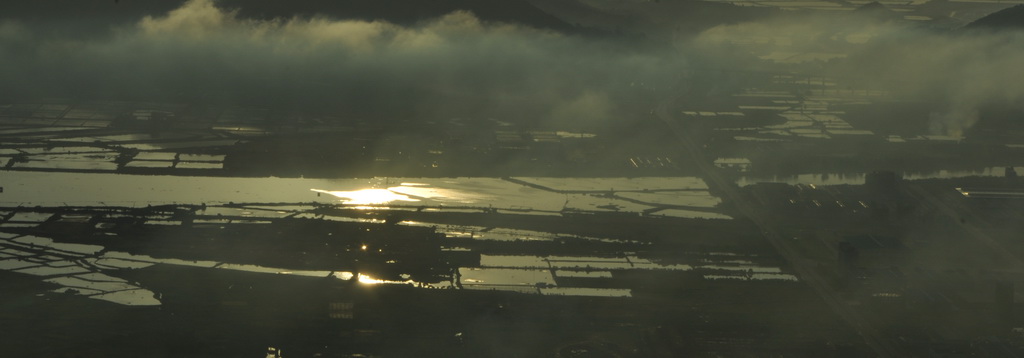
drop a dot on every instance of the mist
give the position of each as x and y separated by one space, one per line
455 65
960 71
467 178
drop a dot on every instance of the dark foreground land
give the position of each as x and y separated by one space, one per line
217 312
759 208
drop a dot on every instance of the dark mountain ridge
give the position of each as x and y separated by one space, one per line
100 15
1009 18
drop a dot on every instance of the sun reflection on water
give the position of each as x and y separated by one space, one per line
406 192
364 279
367 196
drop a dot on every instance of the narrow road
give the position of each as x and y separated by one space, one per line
967 220
804 268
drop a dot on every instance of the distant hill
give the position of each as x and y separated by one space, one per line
871 7
1009 18
100 15
652 19
877 10
97 11
874 7
576 12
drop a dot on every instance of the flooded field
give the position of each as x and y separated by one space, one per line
87 267
540 178
609 195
